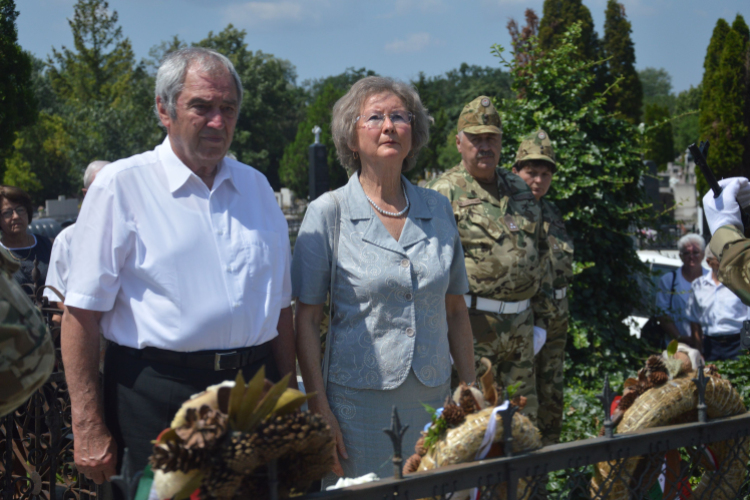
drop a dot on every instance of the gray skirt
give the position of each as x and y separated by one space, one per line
364 413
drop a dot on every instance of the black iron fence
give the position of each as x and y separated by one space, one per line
36 441
699 460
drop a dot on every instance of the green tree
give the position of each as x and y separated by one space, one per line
659 142
656 85
17 103
295 162
596 189
100 68
558 16
271 106
723 118
627 96
685 124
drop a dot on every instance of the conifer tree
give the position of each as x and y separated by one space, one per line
740 26
723 118
17 103
659 143
626 98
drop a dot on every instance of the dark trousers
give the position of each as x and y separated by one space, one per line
721 347
141 397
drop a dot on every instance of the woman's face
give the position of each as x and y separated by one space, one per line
13 218
691 255
383 130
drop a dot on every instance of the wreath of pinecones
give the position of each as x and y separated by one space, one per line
223 447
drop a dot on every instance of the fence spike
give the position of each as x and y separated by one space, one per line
396 433
606 397
701 382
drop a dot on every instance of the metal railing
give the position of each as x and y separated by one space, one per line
36 440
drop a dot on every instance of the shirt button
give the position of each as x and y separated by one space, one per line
230 269
405 263
219 232
236 305
410 332
408 296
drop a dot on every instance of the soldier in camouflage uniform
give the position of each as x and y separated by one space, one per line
500 224
535 164
26 351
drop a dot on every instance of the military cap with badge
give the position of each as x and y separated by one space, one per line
480 117
536 146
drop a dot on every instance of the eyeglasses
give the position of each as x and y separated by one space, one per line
8 214
400 119
691 254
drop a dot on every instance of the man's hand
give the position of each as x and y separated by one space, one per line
724 210
95 453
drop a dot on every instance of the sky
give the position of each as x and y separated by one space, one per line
397 38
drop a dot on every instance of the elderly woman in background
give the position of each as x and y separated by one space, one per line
16 213
674 289
399 313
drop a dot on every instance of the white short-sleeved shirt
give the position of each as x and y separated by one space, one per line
175 265
718 310
678 311
59 265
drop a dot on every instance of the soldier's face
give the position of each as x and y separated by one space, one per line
537 175
480 153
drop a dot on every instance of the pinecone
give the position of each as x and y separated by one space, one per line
174 456
467 402
419 448
453 414
655 363
658 378
220 482
519 401
412 464
627 400
203 427
238 452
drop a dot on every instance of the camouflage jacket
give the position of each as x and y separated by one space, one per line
733 250
560 245
27 354
502 239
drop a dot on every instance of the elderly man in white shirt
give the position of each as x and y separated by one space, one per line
59 261
182 256
716 315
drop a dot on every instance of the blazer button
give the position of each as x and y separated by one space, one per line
405 263
410 332
408 296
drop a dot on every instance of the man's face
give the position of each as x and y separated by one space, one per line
713 263
691 255
480 153
206 114
537 174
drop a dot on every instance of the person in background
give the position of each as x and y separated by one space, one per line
59 263
716 315
399 312
673 290
510 279
181 256
536 165
16 213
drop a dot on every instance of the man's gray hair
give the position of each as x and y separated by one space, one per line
170 79
91 171
691 239
346 110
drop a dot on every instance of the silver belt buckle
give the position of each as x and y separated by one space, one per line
217 359
501 309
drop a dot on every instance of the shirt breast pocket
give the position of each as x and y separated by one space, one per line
262 254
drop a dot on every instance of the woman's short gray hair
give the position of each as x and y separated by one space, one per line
170 79
691 239
346 110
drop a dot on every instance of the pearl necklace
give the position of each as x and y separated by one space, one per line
387 213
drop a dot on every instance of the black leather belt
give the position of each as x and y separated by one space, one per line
231 359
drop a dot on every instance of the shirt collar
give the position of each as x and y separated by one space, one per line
178 173
359 206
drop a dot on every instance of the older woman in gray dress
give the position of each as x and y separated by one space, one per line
399 313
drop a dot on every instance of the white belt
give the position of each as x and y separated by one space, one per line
498 306
560 293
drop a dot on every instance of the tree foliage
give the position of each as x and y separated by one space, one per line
659 143
596 189
627 95
724 105
17 102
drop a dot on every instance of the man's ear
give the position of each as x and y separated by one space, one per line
164 117
458 142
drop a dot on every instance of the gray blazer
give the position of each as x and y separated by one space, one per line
389 296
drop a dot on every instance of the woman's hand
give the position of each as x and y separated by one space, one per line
460 338
307 322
